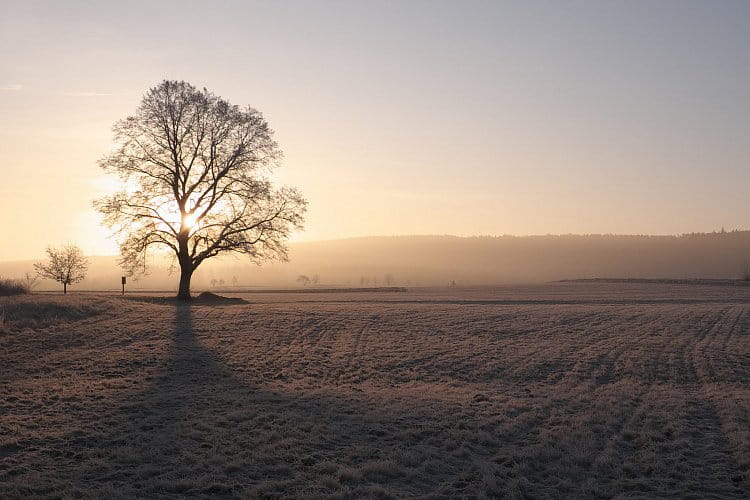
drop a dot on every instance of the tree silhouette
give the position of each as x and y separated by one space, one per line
303 280
30 281
66 265
195 182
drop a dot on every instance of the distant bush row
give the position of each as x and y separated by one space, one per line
13 287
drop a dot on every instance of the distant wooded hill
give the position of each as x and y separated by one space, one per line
439 260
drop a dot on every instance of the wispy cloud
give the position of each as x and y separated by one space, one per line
87 94
12 86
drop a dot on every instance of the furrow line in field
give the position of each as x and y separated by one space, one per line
604 351
565 333
722 361
356 346
719 411
702 352
681 361
624 422
712 424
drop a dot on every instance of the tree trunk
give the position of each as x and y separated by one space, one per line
185 274
65 289
186 265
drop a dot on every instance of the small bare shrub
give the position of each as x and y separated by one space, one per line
12 287
30 281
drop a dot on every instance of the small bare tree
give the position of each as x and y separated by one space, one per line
66 265
195 172
303 280
30 281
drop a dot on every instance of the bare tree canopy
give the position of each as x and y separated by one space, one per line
196 182
66 265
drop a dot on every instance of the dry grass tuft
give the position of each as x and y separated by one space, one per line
12 287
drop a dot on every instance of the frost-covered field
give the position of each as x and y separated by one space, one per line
564 390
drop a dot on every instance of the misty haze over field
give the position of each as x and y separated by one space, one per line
439 260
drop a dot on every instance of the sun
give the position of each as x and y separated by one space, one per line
189 220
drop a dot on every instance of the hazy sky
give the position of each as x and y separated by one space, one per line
400 117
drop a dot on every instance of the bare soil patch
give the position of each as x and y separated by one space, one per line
576 390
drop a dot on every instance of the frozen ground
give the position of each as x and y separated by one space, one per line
564 390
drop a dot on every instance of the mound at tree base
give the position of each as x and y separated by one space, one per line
212 298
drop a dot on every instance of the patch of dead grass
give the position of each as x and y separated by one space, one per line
37 312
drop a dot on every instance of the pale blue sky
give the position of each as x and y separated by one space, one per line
401 117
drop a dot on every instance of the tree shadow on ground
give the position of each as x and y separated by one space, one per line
198 430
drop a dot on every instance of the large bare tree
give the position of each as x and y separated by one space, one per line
195 172
66 265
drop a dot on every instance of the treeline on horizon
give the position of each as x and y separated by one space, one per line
441 260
